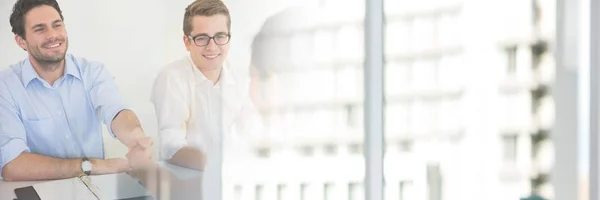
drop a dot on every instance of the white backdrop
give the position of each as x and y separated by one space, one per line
135 38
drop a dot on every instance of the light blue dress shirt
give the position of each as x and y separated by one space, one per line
63 120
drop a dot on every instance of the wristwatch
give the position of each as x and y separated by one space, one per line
86 166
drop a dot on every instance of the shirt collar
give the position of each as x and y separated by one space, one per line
29 73
226 77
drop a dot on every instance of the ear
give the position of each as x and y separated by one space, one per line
21 42
187 43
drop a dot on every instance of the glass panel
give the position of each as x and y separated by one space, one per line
467 101
308 90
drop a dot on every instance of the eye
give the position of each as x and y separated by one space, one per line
202 38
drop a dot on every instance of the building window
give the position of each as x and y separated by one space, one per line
355 149
330 192
323 46
397 37
349 44
356 191
434 182
238 192
263 152
448 31
281 192
406 146
350 115
509 144
260 190
424 73
405 189
511 56
307 150
424 33
331 149
397 77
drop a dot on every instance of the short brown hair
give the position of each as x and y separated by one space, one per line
204 8
22 7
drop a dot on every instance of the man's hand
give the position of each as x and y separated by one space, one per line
140 155
109 166
144 142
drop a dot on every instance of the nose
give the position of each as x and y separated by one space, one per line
211 45
52 35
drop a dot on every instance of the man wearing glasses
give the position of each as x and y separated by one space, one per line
196 99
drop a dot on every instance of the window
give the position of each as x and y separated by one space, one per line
312 191
509 145
259 192
347 79
448 31
331 149
263 152
300 49
304 191
511 57
350 115
397 118
282 192
323 46
434 182
397 38
355 149
397 78
424 33
349 43
450 115
424 117
405 188
451 72
424 74
307 150
332 192
356 191
238 192
406 146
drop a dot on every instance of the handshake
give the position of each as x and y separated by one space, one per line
139 158
140 154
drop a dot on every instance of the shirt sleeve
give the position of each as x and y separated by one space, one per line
105 96
13 138
169 96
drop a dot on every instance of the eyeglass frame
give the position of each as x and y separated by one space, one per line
193 38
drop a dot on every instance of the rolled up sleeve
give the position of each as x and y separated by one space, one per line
105 96
169 96
13 138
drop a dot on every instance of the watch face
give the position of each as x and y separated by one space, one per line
86 166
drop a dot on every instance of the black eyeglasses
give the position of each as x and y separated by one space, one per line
203 40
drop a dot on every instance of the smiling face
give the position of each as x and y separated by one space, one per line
212 55
45 35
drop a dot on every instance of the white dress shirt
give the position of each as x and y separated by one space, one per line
189 108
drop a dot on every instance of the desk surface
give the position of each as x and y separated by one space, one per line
7 188
181 184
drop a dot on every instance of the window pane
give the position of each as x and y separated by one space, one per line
424 74
423 34
398 37
470 83
313 120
